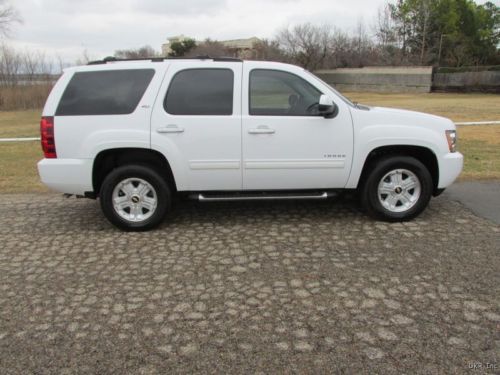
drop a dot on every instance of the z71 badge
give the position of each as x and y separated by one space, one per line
334 156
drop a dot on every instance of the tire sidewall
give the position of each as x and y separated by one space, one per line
135 171
380 169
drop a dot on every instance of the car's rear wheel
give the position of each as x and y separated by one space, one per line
135 197
397 188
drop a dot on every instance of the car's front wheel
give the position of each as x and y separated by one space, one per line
397 188
135 197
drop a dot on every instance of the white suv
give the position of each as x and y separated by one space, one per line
134 133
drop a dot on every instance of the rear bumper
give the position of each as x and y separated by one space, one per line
450 166
71 176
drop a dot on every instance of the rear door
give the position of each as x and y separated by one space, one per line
196 123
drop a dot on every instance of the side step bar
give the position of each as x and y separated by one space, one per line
257 197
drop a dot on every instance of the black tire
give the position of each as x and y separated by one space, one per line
152 177
380 168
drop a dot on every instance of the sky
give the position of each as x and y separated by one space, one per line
67 28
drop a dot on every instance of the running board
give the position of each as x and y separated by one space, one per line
258 197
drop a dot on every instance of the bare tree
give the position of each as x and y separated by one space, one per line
425 13
8 16
306 44
138 53
340 45
384 27
30 62
208 47
84 59
10 65
60 64
269 50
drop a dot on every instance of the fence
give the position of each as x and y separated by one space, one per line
380 79
414 79
482 79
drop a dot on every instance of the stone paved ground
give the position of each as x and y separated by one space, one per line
298 287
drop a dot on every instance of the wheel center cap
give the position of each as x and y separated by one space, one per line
135 199
398 190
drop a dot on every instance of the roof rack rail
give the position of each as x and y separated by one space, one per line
160 59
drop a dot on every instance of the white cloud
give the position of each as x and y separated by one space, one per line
176 7
67 27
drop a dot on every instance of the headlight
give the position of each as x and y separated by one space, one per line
451 137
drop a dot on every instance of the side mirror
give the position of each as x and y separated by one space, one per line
326 107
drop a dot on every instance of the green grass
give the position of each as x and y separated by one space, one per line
18 173
481 148
479 144
20 124
458 107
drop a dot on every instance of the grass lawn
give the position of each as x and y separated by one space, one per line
458 107
20 124
18 173
481 148
479 144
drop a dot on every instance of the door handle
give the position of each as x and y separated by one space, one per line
170 129
261 129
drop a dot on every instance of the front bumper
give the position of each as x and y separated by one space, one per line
450 166
71 176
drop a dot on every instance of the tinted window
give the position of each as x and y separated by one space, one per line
201 92
109 92
277 93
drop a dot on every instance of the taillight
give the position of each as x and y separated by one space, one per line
47 136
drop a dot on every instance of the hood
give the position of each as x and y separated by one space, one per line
402 117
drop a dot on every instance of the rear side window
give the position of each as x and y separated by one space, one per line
201 92
108 92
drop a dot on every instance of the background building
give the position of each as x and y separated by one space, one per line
242 48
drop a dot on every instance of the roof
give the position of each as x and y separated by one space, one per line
161 59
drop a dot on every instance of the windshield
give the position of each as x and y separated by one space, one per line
331 87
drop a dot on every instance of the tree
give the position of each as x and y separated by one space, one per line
10 65
384 28
361 45
8 16
208 47
453 32
138 53
487 34
306 44
35 65
181 48
84 58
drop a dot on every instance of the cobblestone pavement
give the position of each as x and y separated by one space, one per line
305 287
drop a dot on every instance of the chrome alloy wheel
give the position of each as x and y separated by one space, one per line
134 199
399 190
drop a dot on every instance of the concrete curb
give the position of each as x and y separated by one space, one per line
19 139
477 123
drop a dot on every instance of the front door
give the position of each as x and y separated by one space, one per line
196 123
286 143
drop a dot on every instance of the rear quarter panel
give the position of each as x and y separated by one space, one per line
83 137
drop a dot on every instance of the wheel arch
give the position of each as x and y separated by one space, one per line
107 160
423 154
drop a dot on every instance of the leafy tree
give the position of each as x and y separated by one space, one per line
182 48
450 32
